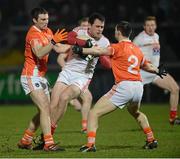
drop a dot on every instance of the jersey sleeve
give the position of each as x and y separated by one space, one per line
72 37
113 48
34 40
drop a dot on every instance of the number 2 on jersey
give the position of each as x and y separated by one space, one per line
134 62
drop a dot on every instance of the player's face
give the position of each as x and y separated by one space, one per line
42 21
84 24
150 27
96 29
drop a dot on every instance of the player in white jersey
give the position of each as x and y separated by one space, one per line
82 104
78 71
148 41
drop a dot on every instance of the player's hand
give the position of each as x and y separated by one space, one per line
77 50
59 36
162 72
89 43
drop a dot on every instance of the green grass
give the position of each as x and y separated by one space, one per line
118 134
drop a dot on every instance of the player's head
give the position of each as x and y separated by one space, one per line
40 17
84 22
150 25
123 30
96 25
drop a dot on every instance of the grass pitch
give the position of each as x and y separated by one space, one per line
118 134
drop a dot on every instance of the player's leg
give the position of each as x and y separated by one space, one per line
170 84
102 107
76 103
71 92
141 118
33 85
26 141
86 105
136 91
42 102
56 111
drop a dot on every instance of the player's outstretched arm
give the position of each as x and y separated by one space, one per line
92 51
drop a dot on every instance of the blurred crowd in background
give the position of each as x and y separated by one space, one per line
15 20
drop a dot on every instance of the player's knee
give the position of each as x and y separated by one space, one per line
44 108
64 98
135 114
92 113
175 89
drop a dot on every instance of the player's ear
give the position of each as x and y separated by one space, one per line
119 32
34 20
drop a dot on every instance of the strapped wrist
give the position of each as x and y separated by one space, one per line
53 42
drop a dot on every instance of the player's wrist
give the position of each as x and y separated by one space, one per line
53 42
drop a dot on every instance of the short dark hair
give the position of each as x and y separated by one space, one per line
36 11
83 19
148 18
95 16
125 28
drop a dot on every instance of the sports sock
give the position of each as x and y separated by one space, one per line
84 124
149 134
53 128
27 137
91 138
48 139
173 114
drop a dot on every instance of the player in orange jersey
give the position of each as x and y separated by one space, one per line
148 41
39 42
126 59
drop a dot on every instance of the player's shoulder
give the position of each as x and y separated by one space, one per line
140 35
156 35
33 31
105 40
49 31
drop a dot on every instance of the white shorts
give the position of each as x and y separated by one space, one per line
148 77
30 83
124 92
74 78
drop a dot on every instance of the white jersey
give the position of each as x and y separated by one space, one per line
76 63
150 47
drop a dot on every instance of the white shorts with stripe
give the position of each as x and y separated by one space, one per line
125 92
30 83
69 77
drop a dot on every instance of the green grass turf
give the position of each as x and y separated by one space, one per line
118 134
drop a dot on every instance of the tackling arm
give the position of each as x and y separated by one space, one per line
40 50
92 51
160 71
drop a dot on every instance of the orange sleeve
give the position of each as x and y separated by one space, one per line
114 48
34 39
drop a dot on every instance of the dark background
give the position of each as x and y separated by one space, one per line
15 21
